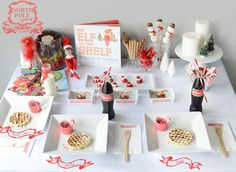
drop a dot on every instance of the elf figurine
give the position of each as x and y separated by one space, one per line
70 59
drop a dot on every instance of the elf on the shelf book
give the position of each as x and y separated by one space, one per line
98 44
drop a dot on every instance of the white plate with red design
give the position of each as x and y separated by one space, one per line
94 125
10 105
157 141
147 78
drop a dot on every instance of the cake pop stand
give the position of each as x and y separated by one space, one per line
212 57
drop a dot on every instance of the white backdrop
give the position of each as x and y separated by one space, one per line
133 16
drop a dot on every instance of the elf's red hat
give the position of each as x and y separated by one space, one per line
66 43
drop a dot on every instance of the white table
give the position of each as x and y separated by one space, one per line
221 105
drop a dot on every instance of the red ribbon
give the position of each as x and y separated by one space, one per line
80 163
30 132
170 162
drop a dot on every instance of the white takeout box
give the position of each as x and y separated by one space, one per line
170 96
89 98
133 96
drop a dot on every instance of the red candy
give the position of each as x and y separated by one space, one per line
139 80
124 80
129 84
65 124
146 57
161 121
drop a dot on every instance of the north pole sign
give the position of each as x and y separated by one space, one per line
22 17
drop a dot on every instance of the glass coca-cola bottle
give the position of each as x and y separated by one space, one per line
197 95
107 98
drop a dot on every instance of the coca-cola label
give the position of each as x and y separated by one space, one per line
106 97
197 93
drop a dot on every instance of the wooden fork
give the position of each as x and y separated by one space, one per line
127 135
218 130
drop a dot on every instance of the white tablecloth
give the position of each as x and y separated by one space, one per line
221 105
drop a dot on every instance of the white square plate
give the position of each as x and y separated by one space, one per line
193 121
95 125
148 81
20 104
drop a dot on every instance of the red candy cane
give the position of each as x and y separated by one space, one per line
208 74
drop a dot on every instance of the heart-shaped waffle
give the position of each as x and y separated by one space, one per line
180 136
78 140
20 119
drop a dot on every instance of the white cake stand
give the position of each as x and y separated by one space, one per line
216 55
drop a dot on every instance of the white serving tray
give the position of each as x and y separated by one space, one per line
20 104
170 96
217 54
157 141
96 125
133 97
89 98
148 81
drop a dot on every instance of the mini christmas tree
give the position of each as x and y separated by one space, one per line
204 49
211 43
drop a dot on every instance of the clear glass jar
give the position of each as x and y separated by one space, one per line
49 48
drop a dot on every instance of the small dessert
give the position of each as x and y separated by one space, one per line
78 141
81 96
161 123
34 106
124 79
139 80
161 94
129 84
20 119
180 136
114 84
124 95
67 127
96 79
